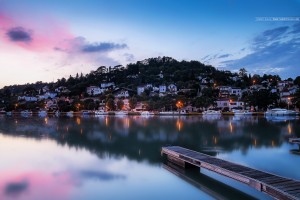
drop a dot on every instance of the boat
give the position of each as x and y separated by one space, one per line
182 112
42 113
9 113
212 112
121 113
86 112
101 112
70 114
146 113
57 113
241 112
280 112
26 113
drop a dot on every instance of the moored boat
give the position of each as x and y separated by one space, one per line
212 112
280 111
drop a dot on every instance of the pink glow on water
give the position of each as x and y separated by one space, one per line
35 185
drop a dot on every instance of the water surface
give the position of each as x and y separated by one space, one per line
119 157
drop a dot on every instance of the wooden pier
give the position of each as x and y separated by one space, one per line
276 186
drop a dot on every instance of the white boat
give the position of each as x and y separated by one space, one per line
182 112
146 113
70 114
212 112
101 112
86 112
9 113
42 113
57 113
280 111
26 113
241 112
121 113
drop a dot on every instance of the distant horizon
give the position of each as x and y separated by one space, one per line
47 40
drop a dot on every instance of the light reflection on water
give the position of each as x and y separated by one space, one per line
119 157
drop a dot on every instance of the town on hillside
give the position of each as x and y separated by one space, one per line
160 84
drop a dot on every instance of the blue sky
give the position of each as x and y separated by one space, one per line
50 39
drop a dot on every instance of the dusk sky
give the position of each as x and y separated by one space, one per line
43 40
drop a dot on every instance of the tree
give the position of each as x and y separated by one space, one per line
132 102
110 105
242 72
120 104
297 80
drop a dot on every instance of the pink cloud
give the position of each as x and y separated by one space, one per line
45 35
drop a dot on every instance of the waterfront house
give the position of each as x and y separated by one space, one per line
94 90
223 103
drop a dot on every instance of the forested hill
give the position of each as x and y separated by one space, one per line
160 70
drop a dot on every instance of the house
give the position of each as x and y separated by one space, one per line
230 104
121 94
160 75
47 95
172 88
162 89
236 91
284 92
108 85
224 91
140 90
293 89
27 98
94 90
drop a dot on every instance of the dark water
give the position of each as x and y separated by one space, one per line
119 157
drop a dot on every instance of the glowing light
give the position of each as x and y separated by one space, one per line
78 120
81 131
179 124
254 142
230 127
179 104
46 120
106 121
289 128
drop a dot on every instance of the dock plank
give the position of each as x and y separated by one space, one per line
276 186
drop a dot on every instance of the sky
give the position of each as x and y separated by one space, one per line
50 39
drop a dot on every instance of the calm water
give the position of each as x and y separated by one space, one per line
119 158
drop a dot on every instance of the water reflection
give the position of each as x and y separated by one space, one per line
77 151
124 135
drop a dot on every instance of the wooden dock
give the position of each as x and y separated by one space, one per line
294 140
276 186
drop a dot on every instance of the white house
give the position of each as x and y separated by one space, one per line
140 90
27 98
107 85
284 92
122 93
236 91
160 75
227 103
47 95
162 89
94 90
172 88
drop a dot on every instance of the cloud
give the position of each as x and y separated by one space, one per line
19 34
15 189
102 47
129 57
272 35
272 51
224 56
81 45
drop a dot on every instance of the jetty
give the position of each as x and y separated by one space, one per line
276 186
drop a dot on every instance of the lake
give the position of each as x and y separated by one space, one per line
110 157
